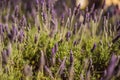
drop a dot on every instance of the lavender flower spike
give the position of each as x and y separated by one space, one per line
9 49
71 57
111 67
94 46
42 61
71 70
4 58
68 34
49 72
62 66
27 71
54 50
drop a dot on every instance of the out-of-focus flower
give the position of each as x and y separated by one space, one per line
44 16
6 53
95 17
27 71
21 36
71 57
81 76
92 8
111 68
37 5
12 35
14 31
37 2
42 61
88 70
75 29
49 72
93 48
71 69
23 21
4 57
9 49
1 29
69 12
88 75
68 34
77 10
6 29
54 27
62 67
62 20
16 13
54 50
42 2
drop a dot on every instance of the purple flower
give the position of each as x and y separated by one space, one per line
14 31
95 16
71 69
1 29
4 57
50 4
87 17
62 67
71 57
104 20
42 61
9 49
68 34
44 16
37 1
76 10
37 5
53 13
54 50
23 21
27 71
92 8
53 27
75 42
42 2
16 13
21 36
62 21
111 67
69 12
93 48
88 75
49 72
6 29
75 28
12 35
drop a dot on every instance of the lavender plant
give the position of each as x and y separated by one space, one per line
42 41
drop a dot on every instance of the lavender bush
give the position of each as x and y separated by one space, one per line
55 40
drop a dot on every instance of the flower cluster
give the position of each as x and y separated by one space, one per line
52 40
